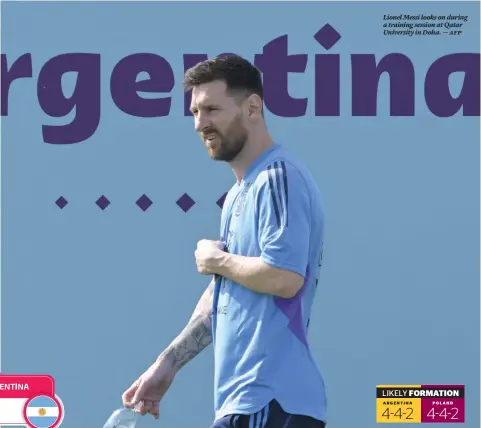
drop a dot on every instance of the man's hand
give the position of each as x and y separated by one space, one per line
145 393
208 255
150 388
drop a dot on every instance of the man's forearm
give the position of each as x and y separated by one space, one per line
196 336
255 274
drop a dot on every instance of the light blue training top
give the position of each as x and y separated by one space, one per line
260 341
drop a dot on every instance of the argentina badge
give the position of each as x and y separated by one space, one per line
43 411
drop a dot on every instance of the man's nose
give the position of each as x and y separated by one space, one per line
201 122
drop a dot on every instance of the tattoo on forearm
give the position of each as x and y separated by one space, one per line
196 336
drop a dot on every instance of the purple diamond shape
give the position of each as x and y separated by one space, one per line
144 202
221 200
327 37
61 202
185 202
102 202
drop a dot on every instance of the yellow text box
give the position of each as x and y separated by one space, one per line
398 410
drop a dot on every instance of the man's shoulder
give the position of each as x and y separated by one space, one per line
283 169
287 177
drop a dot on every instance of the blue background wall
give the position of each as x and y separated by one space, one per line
91 297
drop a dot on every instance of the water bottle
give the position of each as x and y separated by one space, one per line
122 418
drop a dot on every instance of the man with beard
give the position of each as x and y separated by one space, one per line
265 266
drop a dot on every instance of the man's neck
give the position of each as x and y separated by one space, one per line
254 147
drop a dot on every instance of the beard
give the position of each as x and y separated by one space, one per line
229 144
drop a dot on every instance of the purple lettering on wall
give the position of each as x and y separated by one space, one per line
21 68
328 75
365 81
327 85
85 98
275 64
436 87
124 86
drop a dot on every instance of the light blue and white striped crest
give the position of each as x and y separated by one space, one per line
42 412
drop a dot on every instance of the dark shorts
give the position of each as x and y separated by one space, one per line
271 416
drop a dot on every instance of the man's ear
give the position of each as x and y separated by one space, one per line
254 106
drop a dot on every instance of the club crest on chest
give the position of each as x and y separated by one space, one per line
241 201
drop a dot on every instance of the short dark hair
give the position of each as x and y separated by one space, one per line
238 74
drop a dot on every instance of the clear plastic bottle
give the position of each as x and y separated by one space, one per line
122 418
